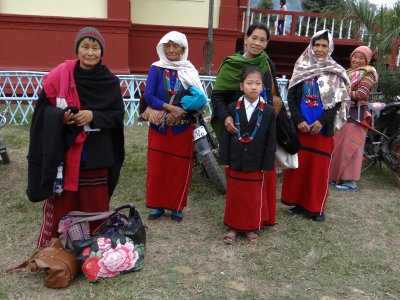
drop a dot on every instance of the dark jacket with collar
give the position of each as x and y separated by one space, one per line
294 97
49 139
259 154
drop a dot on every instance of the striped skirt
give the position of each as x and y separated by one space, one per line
348 154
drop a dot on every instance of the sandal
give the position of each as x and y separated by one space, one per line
252 238
156 213
344 187
296 210
230 237
176 215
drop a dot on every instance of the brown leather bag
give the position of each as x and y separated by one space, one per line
61 266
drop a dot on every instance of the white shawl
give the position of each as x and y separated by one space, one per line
187 73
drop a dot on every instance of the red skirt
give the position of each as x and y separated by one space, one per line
92 196
169 169
349 152
246 207
270 178
308 185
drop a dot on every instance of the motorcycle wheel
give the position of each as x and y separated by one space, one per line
370 157
5 158
394 151
214 172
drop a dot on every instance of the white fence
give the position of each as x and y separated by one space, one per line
20 90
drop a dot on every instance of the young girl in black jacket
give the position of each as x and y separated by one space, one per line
247 154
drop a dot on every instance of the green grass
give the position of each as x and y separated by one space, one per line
355 254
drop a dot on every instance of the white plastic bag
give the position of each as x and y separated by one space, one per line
285 160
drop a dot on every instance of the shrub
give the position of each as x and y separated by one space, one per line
389 83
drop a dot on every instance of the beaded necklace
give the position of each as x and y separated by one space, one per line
237 120
172 90
311 93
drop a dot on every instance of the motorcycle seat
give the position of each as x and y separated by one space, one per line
376 107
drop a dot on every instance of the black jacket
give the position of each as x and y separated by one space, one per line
48 143
220 99
294 97
99 91
259 154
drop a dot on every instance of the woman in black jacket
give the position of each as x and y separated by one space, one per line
77 142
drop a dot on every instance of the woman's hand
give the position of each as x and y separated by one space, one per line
315 127
303 127
178 113
68 115
229 125
170 120
82 117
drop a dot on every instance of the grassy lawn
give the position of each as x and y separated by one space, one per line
355 254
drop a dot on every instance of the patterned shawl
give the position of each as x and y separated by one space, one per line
355 75
333 82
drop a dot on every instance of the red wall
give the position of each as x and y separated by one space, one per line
39 43
143 40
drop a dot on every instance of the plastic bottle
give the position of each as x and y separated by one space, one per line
58 186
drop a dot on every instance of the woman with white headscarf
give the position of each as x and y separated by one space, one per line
318 99
170 145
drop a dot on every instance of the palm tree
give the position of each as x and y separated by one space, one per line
382 25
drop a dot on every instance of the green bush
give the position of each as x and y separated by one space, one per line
389 80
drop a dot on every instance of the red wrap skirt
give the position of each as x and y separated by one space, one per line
169 169
349 152
308 185
246 207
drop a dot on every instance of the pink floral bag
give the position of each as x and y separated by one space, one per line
118 248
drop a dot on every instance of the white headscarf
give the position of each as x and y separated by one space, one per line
187 73
333 82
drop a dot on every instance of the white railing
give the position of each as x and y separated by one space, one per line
19 91
305 24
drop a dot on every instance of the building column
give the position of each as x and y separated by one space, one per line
119 9
228 14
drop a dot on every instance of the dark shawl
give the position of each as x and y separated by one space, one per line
99 91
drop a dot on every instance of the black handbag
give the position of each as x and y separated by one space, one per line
117 248
286 133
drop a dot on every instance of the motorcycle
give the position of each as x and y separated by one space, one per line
206 153
382 143
5 159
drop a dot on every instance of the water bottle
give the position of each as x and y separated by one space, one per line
58 186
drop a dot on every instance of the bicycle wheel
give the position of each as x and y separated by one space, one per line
394 151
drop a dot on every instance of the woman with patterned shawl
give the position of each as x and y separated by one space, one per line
350 140
318 99
170 147
226 90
